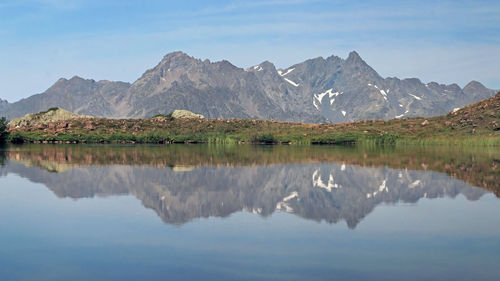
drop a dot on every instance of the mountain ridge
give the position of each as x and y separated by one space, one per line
317 90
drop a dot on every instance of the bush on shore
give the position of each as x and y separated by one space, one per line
3 129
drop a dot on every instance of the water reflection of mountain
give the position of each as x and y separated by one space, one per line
320 191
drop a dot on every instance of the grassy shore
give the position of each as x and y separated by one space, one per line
477 124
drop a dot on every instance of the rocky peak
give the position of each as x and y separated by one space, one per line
354 58
413 81
359 67
474 86
75 81
225 65
175 56
476 91
265 65
334 60
78 78
176 59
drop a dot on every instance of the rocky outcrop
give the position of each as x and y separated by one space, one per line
44 118
179 113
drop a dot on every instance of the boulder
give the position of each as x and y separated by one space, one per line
177 114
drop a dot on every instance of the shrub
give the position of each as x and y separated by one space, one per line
16 137
3 129
264 138
169 116
49 110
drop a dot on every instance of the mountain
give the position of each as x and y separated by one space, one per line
3 104
214 90
82 96
317 90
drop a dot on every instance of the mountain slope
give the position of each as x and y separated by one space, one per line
216 90
317 90
77 95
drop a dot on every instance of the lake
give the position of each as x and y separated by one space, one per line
243 212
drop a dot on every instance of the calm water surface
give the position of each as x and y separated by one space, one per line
186 212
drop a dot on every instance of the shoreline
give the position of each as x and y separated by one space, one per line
477 125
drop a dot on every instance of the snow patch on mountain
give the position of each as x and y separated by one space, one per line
318 98
406 111
291 82
281 73
256 67
418 98
382 92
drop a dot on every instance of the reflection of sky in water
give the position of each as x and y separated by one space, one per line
116 238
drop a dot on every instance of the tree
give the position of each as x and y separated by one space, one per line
3 129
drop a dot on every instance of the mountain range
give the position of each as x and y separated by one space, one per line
316 90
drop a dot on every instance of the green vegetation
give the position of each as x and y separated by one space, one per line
267 138
3 129
49 110
156 131
166 116
477 124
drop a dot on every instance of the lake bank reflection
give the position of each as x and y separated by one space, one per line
321 183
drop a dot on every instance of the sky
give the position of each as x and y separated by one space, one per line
443 41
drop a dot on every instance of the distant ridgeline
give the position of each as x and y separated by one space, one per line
316 91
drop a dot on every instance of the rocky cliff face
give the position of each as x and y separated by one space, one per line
214 90
317 90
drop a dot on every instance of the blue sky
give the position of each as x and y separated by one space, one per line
443 41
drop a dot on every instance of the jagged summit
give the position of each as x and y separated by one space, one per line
475 85
176 54
353 55
265 65
316 90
